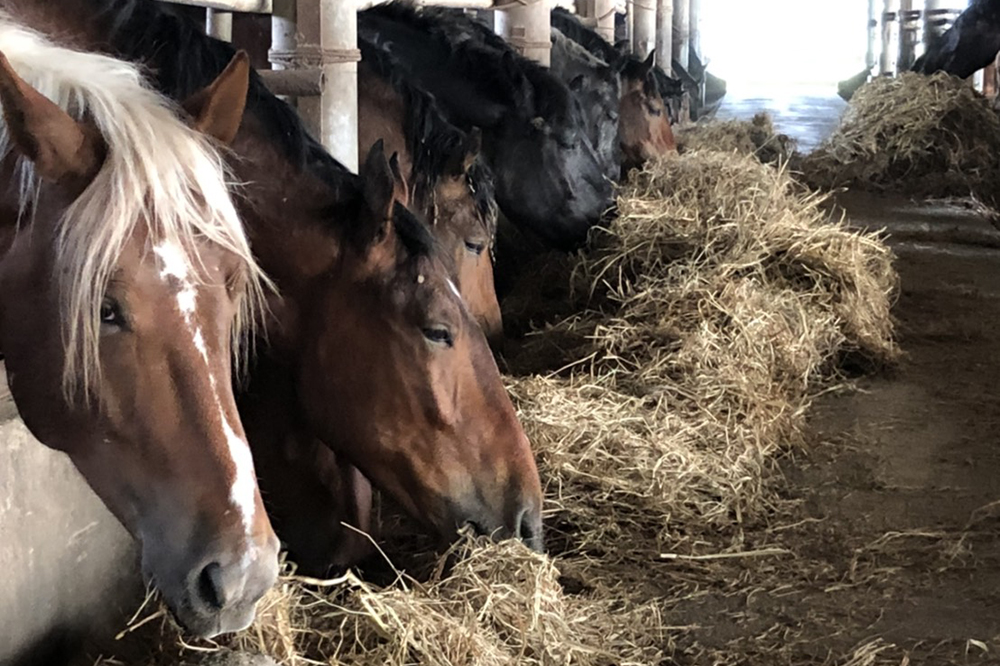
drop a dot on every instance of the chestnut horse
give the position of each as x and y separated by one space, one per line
451 186
126 284
382 360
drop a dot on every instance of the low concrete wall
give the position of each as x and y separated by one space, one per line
68 570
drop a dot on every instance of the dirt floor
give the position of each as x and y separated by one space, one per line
886 547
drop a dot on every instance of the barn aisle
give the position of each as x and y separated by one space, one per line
808 114
892 521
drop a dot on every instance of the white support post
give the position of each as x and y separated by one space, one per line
526 25
694 29
890 37
604 11
321 37
872 32
665 34
939 15
283 41
630 25
910 39
644 28
219 24
682 32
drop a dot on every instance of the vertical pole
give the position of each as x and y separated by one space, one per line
219 24
604 10
323 34
694 29
527 27
339 58
644 30
283 40
909 35
939 15
872 30
630 25
890 37
664 33
682 32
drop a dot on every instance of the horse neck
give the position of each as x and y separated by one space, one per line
382 115
284 209
72 20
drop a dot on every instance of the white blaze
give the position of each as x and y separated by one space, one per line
174 264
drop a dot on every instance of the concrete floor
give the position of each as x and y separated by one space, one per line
807 114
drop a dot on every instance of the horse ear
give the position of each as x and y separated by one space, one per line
648 63
379 189
217 110
463 158
63 149
401 189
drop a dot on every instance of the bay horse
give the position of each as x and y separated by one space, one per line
380 357
644 129
451 186
126 286
549 178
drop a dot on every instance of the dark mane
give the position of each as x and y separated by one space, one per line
432 140
181 60
482 58
631 65
568 25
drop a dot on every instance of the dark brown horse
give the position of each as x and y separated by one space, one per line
124 275
384 362
451 186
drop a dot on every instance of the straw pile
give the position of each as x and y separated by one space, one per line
933 136
747 137
705 321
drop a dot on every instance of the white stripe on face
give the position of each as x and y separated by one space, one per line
174 264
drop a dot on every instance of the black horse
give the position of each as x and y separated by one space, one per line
969 45
549 178
632 68
598 89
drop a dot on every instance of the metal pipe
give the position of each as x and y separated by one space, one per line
644 28
293 82
253 6
890 37
526 26
694 29
939 15
872 30
339 99
910 39
682 32
219 24
665 33
604 12
452 4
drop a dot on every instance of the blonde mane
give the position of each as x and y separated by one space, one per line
158 173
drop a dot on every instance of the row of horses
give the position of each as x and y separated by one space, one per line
201 307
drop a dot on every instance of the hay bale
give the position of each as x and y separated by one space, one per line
922 135
719 302
747 137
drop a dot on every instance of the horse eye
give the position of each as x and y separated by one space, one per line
111 314
439 335
655 112
475 248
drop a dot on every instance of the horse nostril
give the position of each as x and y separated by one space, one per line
211 586
528 528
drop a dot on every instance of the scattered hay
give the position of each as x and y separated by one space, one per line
754 137
498 604
719 302
923 135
